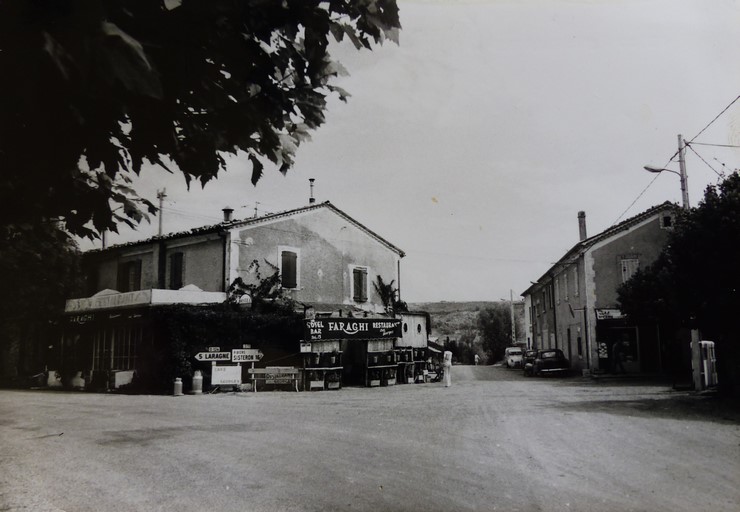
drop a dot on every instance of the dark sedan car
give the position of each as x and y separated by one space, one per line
551 360
528 360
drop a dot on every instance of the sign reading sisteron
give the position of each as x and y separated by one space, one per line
352 328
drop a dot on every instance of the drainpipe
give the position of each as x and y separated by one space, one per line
554 309
398 276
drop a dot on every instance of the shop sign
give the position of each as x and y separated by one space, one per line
226 375
352 328
213 356
246 355
278 375
608 314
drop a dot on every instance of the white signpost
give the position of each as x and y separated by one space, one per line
246 355
213 356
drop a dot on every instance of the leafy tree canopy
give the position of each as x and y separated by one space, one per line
696 275
695 282
494 325
93 89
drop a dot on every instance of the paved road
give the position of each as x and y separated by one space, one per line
493 441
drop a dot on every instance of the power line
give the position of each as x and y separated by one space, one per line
636 199
686 144
714 145
702 159
716 117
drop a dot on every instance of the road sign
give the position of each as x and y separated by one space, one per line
246 355
213 356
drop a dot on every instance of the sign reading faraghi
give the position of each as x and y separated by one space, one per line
352 328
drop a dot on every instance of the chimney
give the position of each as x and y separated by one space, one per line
311 200
582 226
227 213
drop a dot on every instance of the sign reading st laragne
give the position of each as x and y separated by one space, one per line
351 328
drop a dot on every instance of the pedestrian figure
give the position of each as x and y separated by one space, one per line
617 355
448 368
476 359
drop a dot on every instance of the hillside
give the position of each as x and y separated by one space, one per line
454 318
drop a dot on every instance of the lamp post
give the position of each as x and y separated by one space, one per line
681 174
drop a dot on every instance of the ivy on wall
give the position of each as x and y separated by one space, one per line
179 332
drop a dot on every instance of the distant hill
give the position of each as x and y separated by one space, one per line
450 307
454 318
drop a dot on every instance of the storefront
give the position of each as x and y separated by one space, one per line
357 351
616 338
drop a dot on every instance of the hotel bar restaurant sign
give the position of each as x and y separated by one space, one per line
352 328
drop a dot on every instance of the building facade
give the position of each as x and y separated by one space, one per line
573 306
328 264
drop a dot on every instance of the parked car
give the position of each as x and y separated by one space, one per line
528 360
551 360
513 357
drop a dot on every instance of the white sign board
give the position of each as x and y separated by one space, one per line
246 355
213 356
226 375
608 314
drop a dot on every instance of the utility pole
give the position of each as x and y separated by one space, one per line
682 168
161 195
513 323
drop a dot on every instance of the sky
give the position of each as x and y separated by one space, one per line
474 143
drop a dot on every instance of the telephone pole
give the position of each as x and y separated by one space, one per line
161 195
682 168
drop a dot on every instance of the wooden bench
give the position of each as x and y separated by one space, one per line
275 375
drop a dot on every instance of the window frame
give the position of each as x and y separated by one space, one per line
129 276
624 271
352 294
297 252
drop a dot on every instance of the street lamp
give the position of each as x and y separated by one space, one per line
681 175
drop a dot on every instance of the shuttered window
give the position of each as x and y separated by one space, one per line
629 267
129 276
289 269
359 284
176 271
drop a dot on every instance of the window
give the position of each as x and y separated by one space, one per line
359 284
289 271
115 348
629 266
575 281
176 271
565 285
666 221
557 289
129 276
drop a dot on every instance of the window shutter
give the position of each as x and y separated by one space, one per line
629 267
176 269
289 266
122 278
359 276
135 275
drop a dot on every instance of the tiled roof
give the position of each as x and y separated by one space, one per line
225 226
583 245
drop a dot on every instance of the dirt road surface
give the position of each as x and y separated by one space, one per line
495 440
